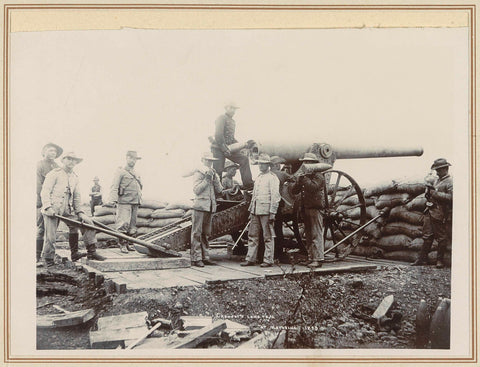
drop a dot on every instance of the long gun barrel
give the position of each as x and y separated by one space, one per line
327 153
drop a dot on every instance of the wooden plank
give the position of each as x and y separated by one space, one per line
192 340
125 321
65 319
383 307
144 336
132 264
195 322
111 338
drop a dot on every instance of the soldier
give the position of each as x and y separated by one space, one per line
95 195
313 200
231 188
126 195
278 226
206 186
224 136
60 196
263 207
438 218
49 152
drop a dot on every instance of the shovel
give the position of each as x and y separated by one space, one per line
150 248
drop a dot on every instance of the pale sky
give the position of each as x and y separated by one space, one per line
101 93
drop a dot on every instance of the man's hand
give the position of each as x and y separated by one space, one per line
50 212
210 174
250 217
110 204
271 218
85 219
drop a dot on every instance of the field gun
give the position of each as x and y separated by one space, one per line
339 188
232 216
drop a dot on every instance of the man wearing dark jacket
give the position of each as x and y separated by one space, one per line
225 136
311 186
438 219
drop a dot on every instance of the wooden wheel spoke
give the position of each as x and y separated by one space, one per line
353 223
343 233
335 188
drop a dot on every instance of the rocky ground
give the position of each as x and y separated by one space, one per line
319 311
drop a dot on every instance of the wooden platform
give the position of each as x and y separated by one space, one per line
225 270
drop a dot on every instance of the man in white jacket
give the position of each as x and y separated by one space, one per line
206 185
263 207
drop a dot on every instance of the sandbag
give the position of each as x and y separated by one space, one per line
394 242
408 229
104 237
184 204
105 219
158 223
153 204
373 230
164 213
418 204
403 255
384 188
417 244
401 214
368 251
411 188
143 222
391 200
144 212
348 211
103 210
353 200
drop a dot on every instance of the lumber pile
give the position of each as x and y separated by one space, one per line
398 234
151 215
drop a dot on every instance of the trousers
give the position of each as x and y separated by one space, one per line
260 225
201 229
236 157
51 224
126 218
314 234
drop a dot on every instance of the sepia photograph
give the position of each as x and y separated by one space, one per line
231 184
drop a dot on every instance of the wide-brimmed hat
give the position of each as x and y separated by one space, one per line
51 145
309 157
230 164
263 158
96 178
208 156
133 154
73 156
440 163
231 104
277 159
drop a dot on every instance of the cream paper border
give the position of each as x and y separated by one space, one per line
76 19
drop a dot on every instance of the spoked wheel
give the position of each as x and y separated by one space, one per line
344 212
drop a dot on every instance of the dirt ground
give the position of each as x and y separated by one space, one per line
319 311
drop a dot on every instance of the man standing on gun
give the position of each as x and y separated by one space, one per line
311 186
60 196
263 207
437 224
50 152
126 195
206 185
225 136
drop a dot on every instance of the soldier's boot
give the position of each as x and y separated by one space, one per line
39 250
93 254
123 246
423 256
73 242
440 254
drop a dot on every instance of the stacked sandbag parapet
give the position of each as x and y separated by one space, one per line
151 215
397 235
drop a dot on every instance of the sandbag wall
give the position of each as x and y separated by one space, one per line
151 215
398 234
